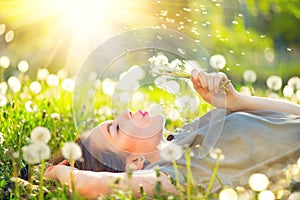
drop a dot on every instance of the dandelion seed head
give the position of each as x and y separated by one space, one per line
35 87
274 83
3 100
55 116
1 138
42 74
294 196
136 72
294 82
3 88
217 61
62 74
174 115
288 91
258 182
4 62
36 152
71 151
52 80
266 195
68 85
23 66
228 194
170 151
30 107
40 135
249 76
108 86
216 154
14 84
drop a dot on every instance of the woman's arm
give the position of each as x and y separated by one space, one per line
94 184
208 86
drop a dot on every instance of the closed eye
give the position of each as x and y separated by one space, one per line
108 127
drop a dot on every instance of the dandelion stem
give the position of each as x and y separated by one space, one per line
212 179
190 179
176 170
41 191
30 173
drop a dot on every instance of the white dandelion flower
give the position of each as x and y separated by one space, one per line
228 194
62 74
4 62
258 182
23 66
174 114
14 84
266 195
288 91
36 152
30 107
35 87
3 88
55 116
71 151
52 80
40 135
217 61
249 76
42 74
294 82
274 83
1 138
108 86
159 60
170 151
216 154
68 85
3 100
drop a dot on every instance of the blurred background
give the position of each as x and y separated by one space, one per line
261 35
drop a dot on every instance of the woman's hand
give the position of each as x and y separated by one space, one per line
215 88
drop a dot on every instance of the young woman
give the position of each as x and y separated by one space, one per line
257 135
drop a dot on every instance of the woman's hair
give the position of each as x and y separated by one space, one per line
106 160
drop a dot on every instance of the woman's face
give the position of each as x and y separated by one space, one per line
134 132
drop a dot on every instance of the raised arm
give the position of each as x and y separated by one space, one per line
208 86
91 184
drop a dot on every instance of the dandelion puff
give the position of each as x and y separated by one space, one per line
42 74
23 66
258 182
55 116
288 91
170 151
108 86
68 85
228 194
62 74
52 80
217 61
1 138
266 195
216 154
30 107
36 152
35 87
294 82
4 62
3 100
3 88
40 135
294 196
249 76
71 151
274 83
14 84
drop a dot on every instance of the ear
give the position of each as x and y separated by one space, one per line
137 163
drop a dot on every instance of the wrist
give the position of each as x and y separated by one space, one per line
236 102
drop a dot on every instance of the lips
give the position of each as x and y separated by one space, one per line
143 113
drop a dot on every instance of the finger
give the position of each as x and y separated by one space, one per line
217 82
64 162
195 78
210 81
202 75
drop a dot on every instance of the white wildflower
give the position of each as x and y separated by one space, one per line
249 76
294 82
40 135
274 83
228 194
170 151
108 86
23 66
68 85
258 182
1 138
30 107
3 88
217 61
216 154
71 151
35 87
266 195
4 62
3 100
288 91
42 74
36 152
52 80
55 116
176 64
14 84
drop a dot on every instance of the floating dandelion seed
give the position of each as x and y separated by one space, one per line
68 85
52 80
216 154
228 194
42 74
266 195
274 83
170 151
35 87
71 151
3 100
36 152
217 61
3 88
4 62
40 135
258 182
1 138
249 76
14 84
23 66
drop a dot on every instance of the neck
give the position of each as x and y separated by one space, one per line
154 155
